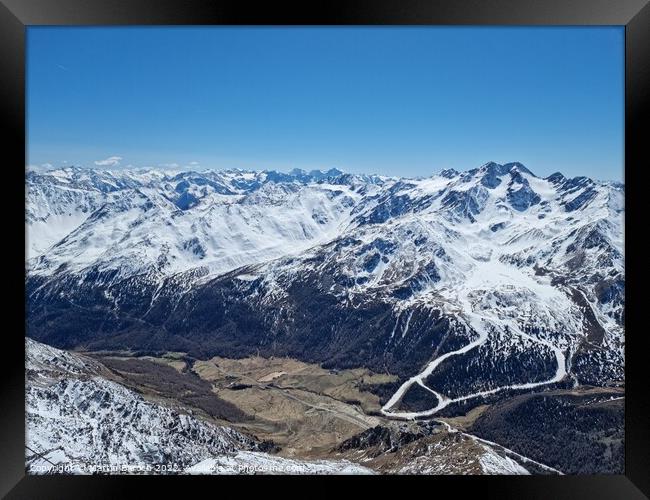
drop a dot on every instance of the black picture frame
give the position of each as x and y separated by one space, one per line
16 15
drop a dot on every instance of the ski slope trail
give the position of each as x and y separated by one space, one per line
477 323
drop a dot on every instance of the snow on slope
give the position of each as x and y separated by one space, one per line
78 418
485 462
165 224
440 450
250 462
78 422
499 258
494 464
525 269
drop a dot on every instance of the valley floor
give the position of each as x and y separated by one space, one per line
302 412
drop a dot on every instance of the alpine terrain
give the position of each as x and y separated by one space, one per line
469 322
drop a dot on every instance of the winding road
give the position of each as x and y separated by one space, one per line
476 322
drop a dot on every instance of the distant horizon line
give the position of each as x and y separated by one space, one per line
177 169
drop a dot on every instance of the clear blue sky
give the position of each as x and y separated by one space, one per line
390 100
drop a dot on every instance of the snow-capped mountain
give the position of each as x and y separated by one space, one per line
168 223
465 284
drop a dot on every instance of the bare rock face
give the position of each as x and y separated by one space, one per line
428 449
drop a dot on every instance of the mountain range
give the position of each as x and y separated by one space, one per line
467 287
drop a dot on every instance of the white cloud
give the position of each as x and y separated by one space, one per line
46 165
169 165
112 161
194 163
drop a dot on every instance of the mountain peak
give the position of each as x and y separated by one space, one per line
517 167
315 173
505 168
449 173
491 172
